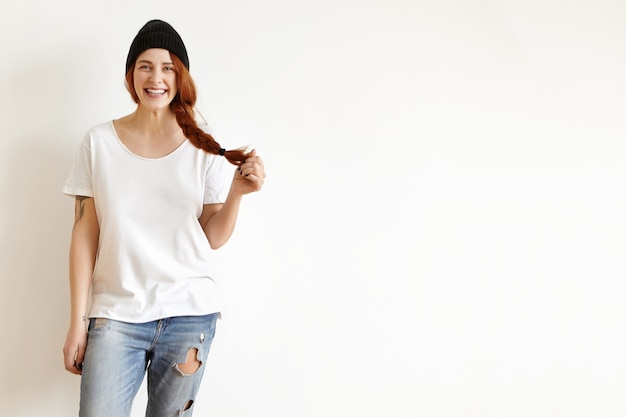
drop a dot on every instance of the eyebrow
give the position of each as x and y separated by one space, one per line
145 61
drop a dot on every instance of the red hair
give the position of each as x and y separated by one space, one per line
183 108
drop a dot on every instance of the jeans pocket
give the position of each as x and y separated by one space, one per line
98 323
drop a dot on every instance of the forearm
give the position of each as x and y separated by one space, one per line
219 228
82 262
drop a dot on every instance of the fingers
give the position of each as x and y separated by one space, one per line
80 357
250 175
74 361
74 349
256 183
253 167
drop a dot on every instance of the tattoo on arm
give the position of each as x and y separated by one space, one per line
80 208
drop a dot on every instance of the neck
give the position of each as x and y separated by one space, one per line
153 123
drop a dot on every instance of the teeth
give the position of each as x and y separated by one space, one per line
152 91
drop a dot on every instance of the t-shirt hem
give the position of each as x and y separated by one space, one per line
153 317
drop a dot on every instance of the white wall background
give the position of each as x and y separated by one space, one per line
442 231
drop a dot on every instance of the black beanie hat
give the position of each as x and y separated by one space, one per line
157 34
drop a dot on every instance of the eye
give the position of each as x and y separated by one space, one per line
144 67
168 68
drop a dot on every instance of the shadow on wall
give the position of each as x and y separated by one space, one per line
34 243
35 284
36 305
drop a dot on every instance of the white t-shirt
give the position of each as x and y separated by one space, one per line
154 260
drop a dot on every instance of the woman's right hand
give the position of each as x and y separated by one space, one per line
74 349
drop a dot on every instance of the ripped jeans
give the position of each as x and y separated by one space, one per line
173 351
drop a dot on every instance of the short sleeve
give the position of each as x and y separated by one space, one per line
217 181
79 181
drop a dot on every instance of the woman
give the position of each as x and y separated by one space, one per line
152 199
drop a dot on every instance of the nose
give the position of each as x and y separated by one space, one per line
156 76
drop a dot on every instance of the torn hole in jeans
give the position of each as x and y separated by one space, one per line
191 365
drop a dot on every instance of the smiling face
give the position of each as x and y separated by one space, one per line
154 79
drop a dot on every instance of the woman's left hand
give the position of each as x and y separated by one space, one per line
250 175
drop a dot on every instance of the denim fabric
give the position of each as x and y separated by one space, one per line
118 355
